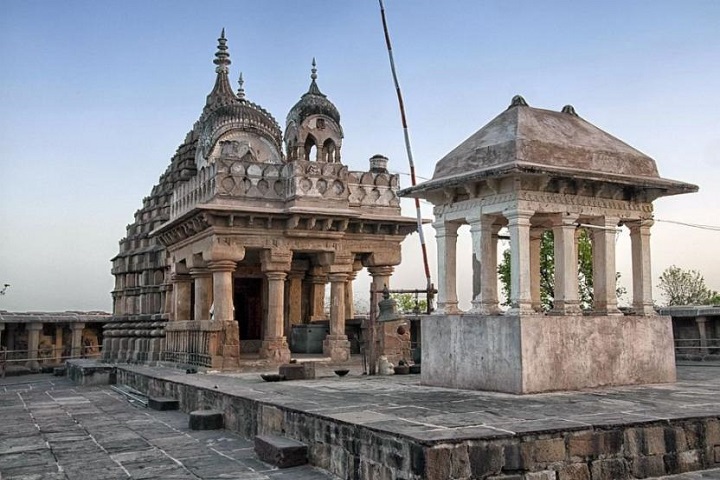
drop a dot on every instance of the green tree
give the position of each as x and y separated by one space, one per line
686 287
547 271
407 303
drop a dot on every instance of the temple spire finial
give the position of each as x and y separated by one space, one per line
222 57
241 88
314 89
313 74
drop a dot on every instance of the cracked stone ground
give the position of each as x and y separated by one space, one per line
51 430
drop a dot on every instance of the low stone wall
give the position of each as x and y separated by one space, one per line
542 353
353 451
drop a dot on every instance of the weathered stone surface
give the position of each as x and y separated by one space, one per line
280 451
485 459
206 420
610 469
647 467
574 471
163 403
592 444
298 371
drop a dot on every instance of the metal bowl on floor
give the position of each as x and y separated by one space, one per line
272 377
342 372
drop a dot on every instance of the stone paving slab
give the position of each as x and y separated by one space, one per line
53 430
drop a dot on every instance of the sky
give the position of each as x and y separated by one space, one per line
96 96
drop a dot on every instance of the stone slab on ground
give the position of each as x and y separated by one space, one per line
103 436
281 451
90 372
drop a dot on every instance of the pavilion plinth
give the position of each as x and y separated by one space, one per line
543 353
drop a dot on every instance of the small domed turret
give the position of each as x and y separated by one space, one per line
313 130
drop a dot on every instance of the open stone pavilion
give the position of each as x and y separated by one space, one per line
531 170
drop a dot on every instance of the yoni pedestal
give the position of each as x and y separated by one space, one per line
539 353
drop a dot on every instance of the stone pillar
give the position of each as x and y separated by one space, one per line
294 287
641 268
536 235
203 285
2 329
222 278
58 348
604 269
274 345
318 278
11 334
484 241
33 331
567 295
336 344
76 345
702 331
446 235
181 296
519 227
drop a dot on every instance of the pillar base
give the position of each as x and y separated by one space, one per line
645 310
275 350
566 309
485 309
337 347
448 309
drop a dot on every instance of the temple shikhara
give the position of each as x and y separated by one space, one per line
243 232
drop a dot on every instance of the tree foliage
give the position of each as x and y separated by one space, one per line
686 287
547 271
407 303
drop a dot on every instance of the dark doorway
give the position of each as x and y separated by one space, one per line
248 307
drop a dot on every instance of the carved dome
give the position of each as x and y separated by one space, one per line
224 111
314 102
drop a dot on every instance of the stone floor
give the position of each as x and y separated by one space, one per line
52 430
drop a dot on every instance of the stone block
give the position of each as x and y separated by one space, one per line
594 444
485 459
206 420
716 454
675 439
280 451
163 403
59 371
648 467
682 462
297 371
653 440
610 469
574 471
543 475
447 462
90 372
541 452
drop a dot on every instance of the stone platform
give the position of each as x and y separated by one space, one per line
542 353
360 427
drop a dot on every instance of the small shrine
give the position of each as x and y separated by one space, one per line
531 170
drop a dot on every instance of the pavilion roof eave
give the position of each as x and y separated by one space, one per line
669 187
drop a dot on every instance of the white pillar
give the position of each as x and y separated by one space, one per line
519 227
641 268
604 269
446 235
567 296
536 235
484 240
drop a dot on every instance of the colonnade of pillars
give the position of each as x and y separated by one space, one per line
525 264
33 341
212 288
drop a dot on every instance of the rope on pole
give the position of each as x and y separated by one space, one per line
408 148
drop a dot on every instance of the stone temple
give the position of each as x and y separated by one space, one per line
531 170
237 241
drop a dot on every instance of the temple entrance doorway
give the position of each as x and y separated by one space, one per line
248 300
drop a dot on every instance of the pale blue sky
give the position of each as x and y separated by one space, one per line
96 96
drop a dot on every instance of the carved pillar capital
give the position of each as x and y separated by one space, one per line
222 266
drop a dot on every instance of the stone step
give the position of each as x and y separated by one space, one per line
163 403
59 371
206 420
280 451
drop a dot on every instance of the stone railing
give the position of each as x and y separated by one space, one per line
199 189
246 180
369 189
204 343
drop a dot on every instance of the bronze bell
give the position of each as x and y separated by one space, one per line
388 309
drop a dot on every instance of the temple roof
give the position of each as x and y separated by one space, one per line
523 138
314 102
